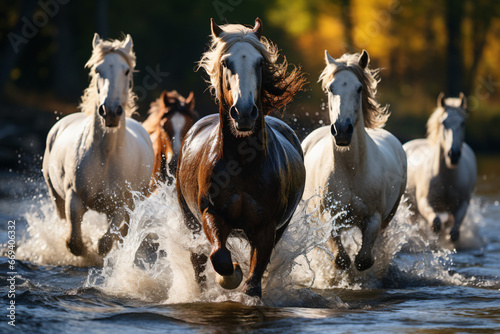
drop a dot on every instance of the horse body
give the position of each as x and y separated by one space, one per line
439 189
242 170
171 116
95 160
361 174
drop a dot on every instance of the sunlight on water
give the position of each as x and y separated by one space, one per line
152 263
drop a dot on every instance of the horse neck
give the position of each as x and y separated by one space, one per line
351 160
232 145
104 139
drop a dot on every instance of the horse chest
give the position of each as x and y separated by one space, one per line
245 198
443 196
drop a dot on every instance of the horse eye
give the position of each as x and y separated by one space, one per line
127 72
223 63
360 88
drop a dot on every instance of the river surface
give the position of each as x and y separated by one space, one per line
419 284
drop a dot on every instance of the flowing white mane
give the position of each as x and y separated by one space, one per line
88 104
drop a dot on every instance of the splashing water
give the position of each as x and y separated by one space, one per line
152 262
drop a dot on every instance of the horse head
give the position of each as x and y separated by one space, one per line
241 75
113 80
452 127
178 117
345 98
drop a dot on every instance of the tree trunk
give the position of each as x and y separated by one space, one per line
454 15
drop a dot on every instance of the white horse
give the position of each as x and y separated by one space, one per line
354 162
96 158
442 168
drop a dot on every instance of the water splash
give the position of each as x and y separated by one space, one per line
152 262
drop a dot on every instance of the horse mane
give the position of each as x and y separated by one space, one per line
374 115
434 121
88 104
279 85
158 109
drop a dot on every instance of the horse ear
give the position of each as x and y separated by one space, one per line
164 98
440 101
96 41
364 59
257 28
216 30
329 59
463 101
128 43
190 101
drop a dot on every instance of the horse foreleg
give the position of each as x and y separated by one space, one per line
458 216
425 209
262 244
119 222
217 232
369 229
342 260
74 212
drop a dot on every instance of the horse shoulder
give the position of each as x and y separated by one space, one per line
388 168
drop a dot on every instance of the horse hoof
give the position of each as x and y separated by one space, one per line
104 246
233 281
363 263
454 235
221 261
436 225
253 291
343 262
76 248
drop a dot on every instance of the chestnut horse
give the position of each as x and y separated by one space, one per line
241 169
170 118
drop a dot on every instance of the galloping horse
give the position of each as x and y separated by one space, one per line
170 118
442 168
96 158
353 161
242 169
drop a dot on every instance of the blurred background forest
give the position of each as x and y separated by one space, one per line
424 46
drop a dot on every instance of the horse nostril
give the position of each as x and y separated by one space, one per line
333 130
234 113
102 110
119 111
254 113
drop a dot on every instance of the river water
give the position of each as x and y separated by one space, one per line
419 284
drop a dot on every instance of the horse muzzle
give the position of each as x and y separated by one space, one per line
342 133
111 117
244 118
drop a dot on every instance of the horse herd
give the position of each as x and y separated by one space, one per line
243 170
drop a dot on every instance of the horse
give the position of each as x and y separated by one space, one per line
95 159
170 117
242 170
353 161
442 168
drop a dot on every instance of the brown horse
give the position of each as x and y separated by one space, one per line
170 118
241 169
